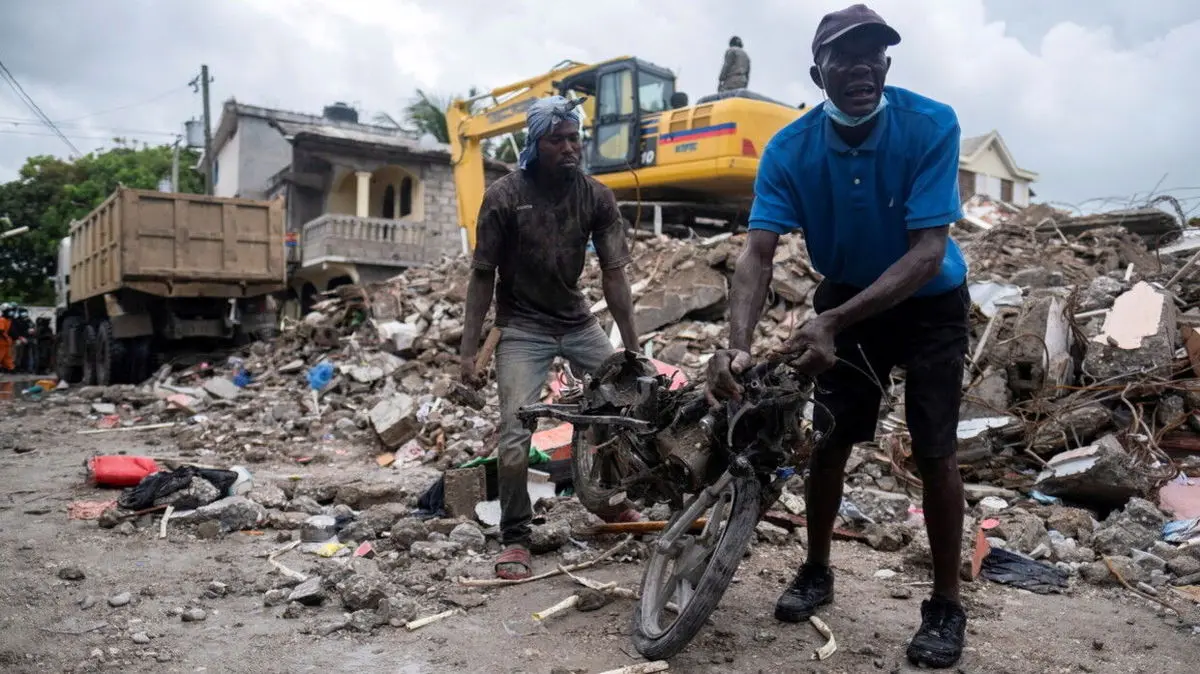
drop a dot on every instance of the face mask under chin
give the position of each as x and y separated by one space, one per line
836 115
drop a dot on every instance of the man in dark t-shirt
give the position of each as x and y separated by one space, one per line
533 230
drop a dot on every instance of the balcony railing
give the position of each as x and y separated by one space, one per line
335 237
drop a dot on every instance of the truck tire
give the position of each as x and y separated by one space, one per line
64 365
141 363
111 360
89 356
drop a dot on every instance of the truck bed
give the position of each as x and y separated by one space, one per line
178 245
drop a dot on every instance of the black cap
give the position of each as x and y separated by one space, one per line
836 24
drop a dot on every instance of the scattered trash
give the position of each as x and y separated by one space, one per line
1010 568
830 646
119 470
418 624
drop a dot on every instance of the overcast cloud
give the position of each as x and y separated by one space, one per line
1097 96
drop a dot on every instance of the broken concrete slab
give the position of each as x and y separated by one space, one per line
1139 337
976 437
395 420
1075 523
1075 426
687 289
309 593
987 397
1039 356
400 336
104 409
1023 531
1102 474
220 387
233 513
363 495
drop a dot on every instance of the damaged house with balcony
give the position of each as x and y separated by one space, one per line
363 201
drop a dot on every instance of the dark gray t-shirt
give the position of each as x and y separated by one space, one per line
538 243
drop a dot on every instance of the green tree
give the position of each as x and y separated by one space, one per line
426 113
49 193
502 149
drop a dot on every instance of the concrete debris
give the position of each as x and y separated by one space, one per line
1073 417
1102 474
233 513
309 593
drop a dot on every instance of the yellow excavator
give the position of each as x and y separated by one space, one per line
680 164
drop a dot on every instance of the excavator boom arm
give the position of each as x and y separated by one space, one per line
472 121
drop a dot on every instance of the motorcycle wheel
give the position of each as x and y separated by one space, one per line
688 574
595 471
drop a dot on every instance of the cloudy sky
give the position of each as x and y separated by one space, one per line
1098 96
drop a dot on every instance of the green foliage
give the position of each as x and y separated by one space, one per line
50 193
426 113
502 149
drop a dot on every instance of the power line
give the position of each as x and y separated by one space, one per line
15 121
28 100
14 132
126 107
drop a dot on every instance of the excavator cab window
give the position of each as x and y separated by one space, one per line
654 92
613 139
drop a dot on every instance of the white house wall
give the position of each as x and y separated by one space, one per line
990 163
989 185
1021 194
228 163
264 153
989 168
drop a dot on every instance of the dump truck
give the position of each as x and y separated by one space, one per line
146 275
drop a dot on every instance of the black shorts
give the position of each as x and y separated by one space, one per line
928 336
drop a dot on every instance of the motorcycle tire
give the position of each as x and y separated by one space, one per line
594 496
739 529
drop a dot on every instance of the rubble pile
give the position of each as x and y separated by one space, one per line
1079 437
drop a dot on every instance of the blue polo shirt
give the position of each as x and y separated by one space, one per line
856 206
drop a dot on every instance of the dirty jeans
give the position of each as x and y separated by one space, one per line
523 361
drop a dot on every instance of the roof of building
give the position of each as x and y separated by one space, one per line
972 147
232 111
298 126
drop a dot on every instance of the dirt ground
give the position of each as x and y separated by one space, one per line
43 627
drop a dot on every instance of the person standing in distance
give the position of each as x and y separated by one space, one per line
735 70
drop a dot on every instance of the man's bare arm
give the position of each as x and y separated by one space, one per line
751 280
922 262
620 304
480 289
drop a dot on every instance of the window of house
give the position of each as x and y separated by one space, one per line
966 184
406 196
397 201
1006 190
389 202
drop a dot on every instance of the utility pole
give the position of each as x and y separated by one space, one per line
175 164
203 81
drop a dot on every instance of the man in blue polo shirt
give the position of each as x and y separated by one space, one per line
871 181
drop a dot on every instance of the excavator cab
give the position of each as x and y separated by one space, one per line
629 95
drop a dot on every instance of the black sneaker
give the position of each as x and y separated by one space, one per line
812 587
939 642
